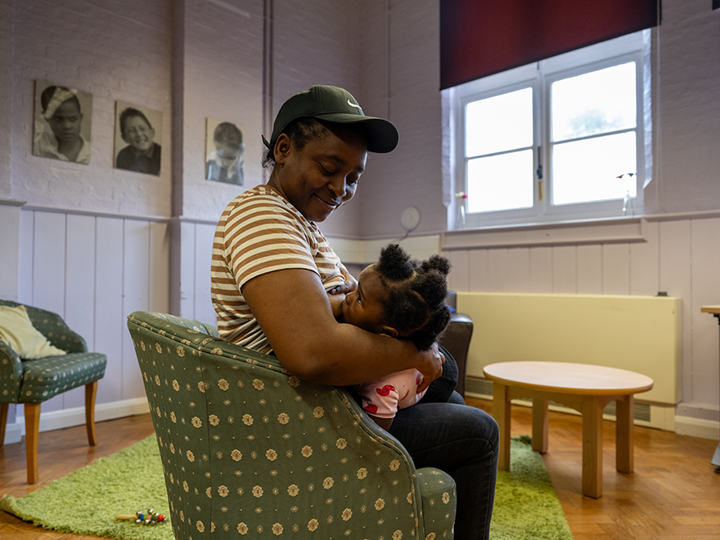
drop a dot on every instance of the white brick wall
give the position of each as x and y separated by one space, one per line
114 50
210 60
688 109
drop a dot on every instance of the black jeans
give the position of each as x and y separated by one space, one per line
460 440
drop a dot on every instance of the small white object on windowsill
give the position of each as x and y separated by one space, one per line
460 223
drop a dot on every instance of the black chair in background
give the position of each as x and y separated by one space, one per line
457 340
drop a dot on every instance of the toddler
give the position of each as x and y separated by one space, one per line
142 154
400 298
225 163
61 111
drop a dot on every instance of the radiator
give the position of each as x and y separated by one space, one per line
638 333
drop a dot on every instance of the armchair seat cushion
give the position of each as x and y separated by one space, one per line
46 377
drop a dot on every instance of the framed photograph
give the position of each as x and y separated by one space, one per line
138 131
63 118
224 152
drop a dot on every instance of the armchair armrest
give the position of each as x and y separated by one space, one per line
10 374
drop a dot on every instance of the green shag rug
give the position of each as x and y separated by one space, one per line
87 501
526 506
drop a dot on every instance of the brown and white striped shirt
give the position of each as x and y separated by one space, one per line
261 232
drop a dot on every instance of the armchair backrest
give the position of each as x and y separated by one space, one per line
248 448
53 327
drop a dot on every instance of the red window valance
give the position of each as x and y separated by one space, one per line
482 37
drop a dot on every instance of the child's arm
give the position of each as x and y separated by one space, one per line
384 423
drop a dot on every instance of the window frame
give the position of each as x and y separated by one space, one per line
540 76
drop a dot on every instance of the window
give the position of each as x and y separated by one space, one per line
561 139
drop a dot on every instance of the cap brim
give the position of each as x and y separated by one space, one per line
382 135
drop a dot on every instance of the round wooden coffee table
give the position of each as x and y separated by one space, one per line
585 388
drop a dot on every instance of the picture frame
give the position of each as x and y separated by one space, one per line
62 123
138 136
224 152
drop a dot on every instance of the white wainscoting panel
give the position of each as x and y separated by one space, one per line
676 280
136 297
94 270
203 310
541 270
109 315
590 269
678 255
705 280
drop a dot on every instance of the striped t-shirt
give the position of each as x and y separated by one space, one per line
261 232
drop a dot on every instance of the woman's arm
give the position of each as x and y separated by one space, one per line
294 312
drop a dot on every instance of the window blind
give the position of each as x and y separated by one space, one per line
482 37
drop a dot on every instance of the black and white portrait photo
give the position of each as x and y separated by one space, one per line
138 132
62 123
224 150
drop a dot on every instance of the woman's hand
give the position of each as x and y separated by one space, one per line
431 368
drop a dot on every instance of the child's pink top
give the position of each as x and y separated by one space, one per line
384 397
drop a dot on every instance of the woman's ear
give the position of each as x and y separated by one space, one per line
282 148
388 331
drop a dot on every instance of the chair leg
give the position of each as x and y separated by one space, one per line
3 421
32 427
90 393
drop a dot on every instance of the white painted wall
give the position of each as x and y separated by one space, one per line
240 60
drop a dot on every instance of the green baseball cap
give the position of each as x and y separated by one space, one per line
332 104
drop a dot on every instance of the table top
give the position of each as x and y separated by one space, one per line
710 309
569 378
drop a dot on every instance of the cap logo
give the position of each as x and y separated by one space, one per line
353 104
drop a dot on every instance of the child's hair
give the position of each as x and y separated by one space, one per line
415 303
227 133
48 94
130 112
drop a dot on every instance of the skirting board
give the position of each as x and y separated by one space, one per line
52 420
697 427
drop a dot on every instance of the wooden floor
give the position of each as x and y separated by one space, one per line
674 492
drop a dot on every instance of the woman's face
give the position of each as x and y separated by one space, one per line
324 174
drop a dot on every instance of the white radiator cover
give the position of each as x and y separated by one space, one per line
638 333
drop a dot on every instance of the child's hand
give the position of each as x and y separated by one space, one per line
349 286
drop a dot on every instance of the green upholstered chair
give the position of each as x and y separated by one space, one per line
31 382
248 449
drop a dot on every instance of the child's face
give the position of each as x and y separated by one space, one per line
65 123
364 307
227 153
138 134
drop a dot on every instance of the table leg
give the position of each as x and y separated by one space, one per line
592 447
501 413
540 425
625 432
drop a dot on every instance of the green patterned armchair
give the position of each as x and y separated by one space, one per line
249 449
32 382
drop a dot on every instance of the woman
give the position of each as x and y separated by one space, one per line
276 284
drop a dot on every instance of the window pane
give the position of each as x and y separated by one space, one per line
503 182
588 170
499 123
595 102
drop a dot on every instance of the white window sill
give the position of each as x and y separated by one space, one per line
596 231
